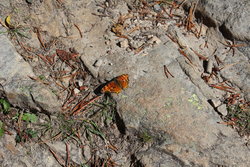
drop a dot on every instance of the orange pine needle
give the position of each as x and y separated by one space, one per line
184 54
57 157
80 32
166 71
82 105
199 55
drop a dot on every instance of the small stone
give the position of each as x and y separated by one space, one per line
154 40
124 44
157 8
98 63
42 121
107 42
128 49
215 102
76 91
222 109
209 66
80 83
150 36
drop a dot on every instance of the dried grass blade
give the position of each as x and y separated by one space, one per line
58 158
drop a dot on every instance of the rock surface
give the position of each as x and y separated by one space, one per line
20 90
229 16
172 110
175 110
24 156
34 154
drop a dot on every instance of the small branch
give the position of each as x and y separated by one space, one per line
80 32
80 107
57 157
166 71
68 155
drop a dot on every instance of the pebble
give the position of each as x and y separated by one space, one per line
154 40
80 83
157 8
209 66
124 44
222 109
108 42
76 91
128 49
215 102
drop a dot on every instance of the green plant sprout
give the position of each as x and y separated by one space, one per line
5 105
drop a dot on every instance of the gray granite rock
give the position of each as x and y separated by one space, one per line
230 16
174 111
20 90
28 155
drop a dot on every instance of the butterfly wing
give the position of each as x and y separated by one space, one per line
111 87
116 85
122 81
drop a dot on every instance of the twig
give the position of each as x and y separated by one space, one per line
199 55
218 61
185 55
166 71
25 47
174 6
111 163
82 106
189 21
222 87
57 157
57 136
68 155
112 147
227 123
199 33
37 31
51 59
65 106
43 58
140 48
134 29
58 84
3 24
8 132
39 80
181 3
232 46
172 39
80 32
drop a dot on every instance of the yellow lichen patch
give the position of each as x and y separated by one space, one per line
194 100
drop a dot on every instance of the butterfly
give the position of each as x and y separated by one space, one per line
116 85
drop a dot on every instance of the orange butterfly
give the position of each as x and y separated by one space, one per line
116 85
